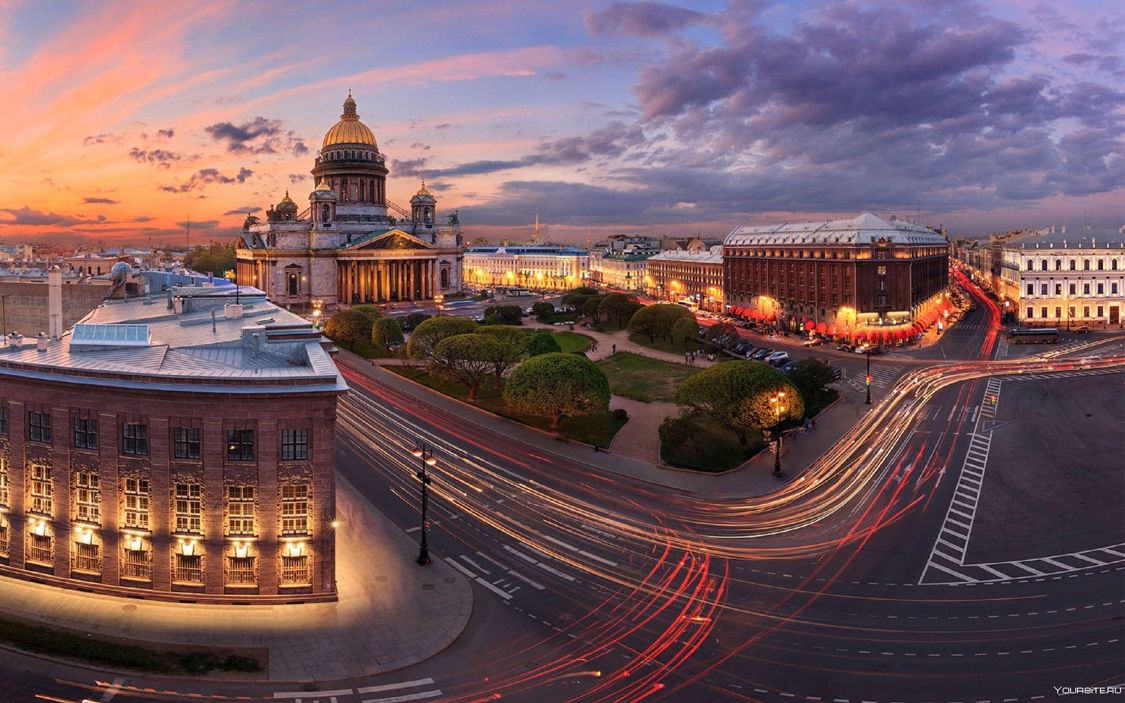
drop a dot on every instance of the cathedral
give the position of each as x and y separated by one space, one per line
351 244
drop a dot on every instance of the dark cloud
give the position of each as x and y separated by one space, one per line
143 218
642 19
102 139
420 145
410 167
100 201
200 224
443 125
243 210
297 177
38 218
207 176
258 136
158 157
165 133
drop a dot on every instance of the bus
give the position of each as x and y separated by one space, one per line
1033 335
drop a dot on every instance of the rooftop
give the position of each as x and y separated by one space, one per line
865 229
213 344
528 250
714 255
1062 238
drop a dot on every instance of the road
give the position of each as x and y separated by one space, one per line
884 573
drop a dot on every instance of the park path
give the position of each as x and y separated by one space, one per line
606 342
639 438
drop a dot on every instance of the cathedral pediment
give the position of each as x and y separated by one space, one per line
392 239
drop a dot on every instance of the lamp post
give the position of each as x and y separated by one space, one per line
777 402
868 379
426 457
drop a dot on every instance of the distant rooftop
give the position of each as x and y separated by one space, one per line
146 343
865 229
528 250
714 255
1068 238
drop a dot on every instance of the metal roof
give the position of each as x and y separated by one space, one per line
865 229
106 335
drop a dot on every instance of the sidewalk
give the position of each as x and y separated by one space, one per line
751 480
391 614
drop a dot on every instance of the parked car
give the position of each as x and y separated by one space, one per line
836 373
845 347
777 358
788 366
813 342
762 353
1082 329
741 348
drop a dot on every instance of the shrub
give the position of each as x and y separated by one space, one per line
427 334
503 315
542 309
414 319
542 343
348 327
736 396
466 358
385 333
619 307
557 385
656 320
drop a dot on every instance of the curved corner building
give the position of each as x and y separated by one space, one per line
179 446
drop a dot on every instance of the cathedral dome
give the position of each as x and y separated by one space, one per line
349 130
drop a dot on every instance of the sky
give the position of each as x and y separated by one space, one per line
124 121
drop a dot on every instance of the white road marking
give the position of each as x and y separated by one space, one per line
395 686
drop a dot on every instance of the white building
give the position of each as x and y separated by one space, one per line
1059 278
538 266
621 270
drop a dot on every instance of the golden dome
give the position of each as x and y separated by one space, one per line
349 130
423 191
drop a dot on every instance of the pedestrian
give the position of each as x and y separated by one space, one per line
615 348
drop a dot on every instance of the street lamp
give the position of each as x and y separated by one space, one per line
426 457
868 379
777 401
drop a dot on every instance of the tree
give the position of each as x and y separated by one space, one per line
810 376
413 320
618 306
720 330
656 320
736 395
465 358
683 330
385 333
557 385
348 327
514 343
215 259
372 311
542 343
591 306
542 309
581 291
427 334
503 315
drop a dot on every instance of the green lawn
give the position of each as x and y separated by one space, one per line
666 346
644 379
572 342
597 429
561 317
607 327
367 350
701 445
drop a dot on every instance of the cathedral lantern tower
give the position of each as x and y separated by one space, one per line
351 165
423 208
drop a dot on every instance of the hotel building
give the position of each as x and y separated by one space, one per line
694 275
870 277
177 446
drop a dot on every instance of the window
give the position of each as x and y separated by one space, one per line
3 535
1113 288
1101 289
1112 265
1043 312
87 557
38 426
1100 314
294 445
134 439
138 560
240 445
1043 265
1086 311
87 497
85 433
1058 289
1086 289
1073 288
1070 312
136 503
240 571
188 568
185 443
1030 265
1072 263
189 508
39 549
5 494
1058 264
1085 264
294 510
294 570
1042 289
240 510
4 419
1058 313
1101 265
42 493
1030 313
1031 289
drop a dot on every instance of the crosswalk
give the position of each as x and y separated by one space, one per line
398 692
948 553
882 376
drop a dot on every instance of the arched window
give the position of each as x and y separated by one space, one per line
325 213
1101 265
1030 264
1058 264
445 276
1073 263
1043 265
1113 264
1085 264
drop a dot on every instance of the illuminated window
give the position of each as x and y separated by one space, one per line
185 443
294 445
294 510
136 503
294 567
240 571
39 548
42 493
189 508
5 494
188 568
137 562
38 426
87 497
240 445
85 433
4 540
87 557
134 439
240 510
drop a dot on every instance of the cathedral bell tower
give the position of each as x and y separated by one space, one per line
423 209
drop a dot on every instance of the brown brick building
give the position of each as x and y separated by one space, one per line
696 275
172 447
845 278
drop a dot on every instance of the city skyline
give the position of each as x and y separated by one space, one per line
600 117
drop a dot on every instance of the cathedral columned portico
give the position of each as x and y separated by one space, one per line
351 245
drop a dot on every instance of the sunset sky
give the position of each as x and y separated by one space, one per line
123 120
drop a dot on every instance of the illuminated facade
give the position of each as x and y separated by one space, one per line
345 247
695 275
623 271
1060 279
840 277
537 266
180 447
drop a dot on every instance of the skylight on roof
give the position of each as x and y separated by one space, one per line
110 335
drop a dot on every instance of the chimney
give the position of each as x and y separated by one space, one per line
232 310
178 305
41 342
1064 229
54 302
